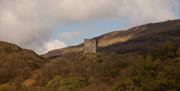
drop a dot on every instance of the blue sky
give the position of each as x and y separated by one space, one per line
96 28
90 29
44 25
176 10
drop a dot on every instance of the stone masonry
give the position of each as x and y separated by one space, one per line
90 46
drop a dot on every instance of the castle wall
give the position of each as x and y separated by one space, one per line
90 45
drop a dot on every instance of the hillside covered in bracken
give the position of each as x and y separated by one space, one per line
143 58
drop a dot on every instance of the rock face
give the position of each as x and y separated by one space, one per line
90 46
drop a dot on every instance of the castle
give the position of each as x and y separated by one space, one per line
90 46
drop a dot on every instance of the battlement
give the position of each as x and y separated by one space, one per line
90 45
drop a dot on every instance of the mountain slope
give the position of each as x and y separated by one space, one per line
148 36
17 64
137 39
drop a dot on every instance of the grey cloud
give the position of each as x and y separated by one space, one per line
29 23
70 35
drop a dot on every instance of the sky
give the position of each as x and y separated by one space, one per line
44 25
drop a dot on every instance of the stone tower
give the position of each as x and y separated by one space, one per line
90 45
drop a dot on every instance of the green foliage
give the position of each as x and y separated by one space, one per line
94 66
167 51
157 71
55 82
125 85
68 83
5 87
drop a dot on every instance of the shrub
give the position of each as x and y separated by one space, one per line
125 85
167 51
74 83
5 87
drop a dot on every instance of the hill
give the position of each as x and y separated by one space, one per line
137 39
17 64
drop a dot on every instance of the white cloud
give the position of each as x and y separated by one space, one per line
29 23
70 35
54 44
151 11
